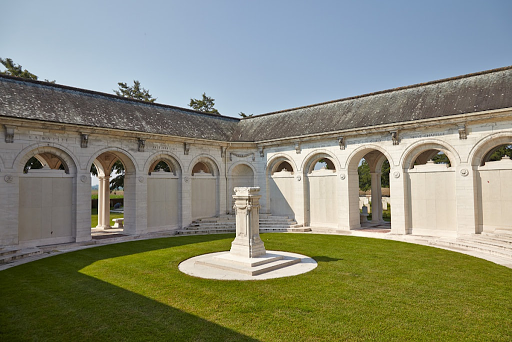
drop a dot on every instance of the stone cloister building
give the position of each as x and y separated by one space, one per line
69 129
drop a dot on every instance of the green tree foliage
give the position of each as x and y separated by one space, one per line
243 115
162 166
118 181
13 69
205 105
32 164
135 92
441 158
504 150
365 178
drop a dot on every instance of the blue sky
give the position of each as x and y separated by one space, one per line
255 56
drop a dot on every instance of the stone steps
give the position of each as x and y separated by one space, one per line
490 244
227 224
9 255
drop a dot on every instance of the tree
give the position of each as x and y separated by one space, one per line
118 181
12 69
243 115
136 92
365 178
16 70
205 105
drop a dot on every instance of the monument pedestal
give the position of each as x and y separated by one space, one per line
247 257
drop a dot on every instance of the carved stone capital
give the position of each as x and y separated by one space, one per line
297 147
9 134
463 133
341 142
84 140
395 138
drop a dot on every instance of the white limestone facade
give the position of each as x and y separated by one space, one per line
53 205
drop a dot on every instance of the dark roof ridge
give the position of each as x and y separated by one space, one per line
113 96
383 91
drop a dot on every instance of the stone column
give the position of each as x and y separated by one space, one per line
100 202
466 194
103 202
349 217
398 183
83 206
247 242
376 197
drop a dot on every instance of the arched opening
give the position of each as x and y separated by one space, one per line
370 205
164 195
494 189
242 175
281 188
321 192
205 189
47 207
113 211
432 202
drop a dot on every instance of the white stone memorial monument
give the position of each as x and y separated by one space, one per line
247 257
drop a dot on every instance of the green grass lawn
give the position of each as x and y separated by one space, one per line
363 289
94 217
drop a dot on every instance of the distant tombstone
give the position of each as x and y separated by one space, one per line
117 205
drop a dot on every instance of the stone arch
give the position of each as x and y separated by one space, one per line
481 149
206 159
280 185
321 190
375 155
240 173
125 156
309 161
416 149
64 154
164 193
277 159
351 163
166 156
492 184
205 187
430 195
104 168
47 196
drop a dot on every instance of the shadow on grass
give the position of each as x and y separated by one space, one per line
73 306
325 259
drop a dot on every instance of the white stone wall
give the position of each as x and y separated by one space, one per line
473 204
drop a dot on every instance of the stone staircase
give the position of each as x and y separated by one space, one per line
499 244
227 224
8 255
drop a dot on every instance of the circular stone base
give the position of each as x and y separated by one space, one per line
197 267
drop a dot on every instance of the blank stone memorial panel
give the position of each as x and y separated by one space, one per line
163 202
281 194
433 201
495 195
204 196
46 207
323 201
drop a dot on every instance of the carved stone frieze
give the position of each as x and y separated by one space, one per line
241 155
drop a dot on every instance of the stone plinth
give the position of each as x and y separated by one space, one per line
247 258
247 242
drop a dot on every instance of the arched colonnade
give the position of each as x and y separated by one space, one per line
470 193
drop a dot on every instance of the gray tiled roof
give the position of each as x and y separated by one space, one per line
464 94
47 102
458 95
